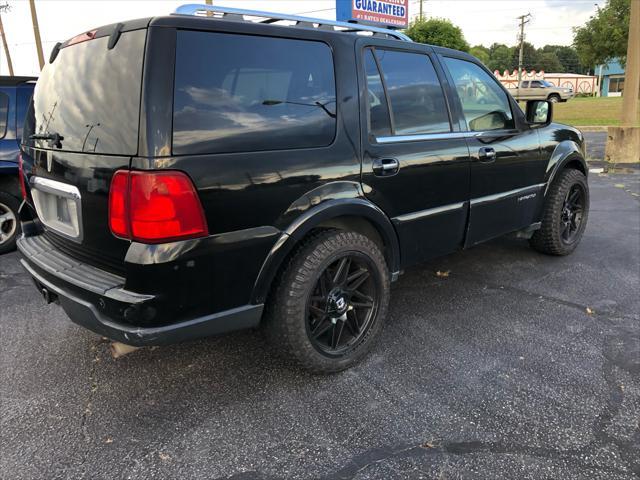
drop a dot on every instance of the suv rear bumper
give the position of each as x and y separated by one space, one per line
91 296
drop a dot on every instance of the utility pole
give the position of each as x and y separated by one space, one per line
36 32
632 69
623 145
524 19
5 8
421 11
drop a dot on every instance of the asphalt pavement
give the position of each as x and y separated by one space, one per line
515 365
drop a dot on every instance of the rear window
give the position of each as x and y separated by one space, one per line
91 96
238 93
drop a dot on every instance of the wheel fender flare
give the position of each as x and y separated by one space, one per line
303 224
565 152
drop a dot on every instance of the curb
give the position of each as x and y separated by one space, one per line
592 128
613 167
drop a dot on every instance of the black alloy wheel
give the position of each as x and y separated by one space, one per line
565 214
343 303
572 212
329 303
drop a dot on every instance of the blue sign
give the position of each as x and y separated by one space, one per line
389 13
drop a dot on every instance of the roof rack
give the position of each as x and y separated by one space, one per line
238 14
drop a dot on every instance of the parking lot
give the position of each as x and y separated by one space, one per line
515 365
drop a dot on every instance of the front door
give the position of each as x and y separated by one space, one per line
507 168
415 159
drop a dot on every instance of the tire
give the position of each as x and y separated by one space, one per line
9 223
553 98
315 317
563 225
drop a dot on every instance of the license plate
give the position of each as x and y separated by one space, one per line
58 206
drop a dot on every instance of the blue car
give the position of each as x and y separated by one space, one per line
15 94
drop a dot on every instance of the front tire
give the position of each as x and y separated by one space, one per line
554 98
328 307
9 224
565 215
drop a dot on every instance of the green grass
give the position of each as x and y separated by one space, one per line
585 111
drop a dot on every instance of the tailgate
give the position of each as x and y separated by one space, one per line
82 126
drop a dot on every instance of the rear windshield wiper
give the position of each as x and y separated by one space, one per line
54 138
323 106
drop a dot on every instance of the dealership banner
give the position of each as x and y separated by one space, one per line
392 13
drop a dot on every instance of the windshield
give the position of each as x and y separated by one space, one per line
90 96
546 84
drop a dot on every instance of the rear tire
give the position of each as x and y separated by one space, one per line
9 223
565 215
329 304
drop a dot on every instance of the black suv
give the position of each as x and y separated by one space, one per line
191 175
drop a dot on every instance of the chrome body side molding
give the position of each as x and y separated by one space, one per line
524 192
429 212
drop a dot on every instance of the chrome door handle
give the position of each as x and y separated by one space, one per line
384 167
487 154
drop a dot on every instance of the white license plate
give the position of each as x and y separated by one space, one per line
58 206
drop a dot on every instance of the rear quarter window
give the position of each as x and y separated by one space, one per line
237 93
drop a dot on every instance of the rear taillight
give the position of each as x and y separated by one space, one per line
118 197
155 207
23 188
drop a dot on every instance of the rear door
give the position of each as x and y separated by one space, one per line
415 159
507 169
81 127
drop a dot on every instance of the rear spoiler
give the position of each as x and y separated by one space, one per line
113 31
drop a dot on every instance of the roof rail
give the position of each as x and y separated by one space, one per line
238 14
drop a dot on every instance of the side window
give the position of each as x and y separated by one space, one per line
536 84
237 93
485 105
379 121
415 94
4 113
525 85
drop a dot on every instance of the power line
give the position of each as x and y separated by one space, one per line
316 11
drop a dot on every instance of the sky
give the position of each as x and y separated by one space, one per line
482 21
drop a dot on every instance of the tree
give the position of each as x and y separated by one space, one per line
549 62
481 53
604 36
530 56
437 31
500 58
568 57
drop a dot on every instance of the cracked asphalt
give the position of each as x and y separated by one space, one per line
496 371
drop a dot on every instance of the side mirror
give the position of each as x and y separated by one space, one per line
539 113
